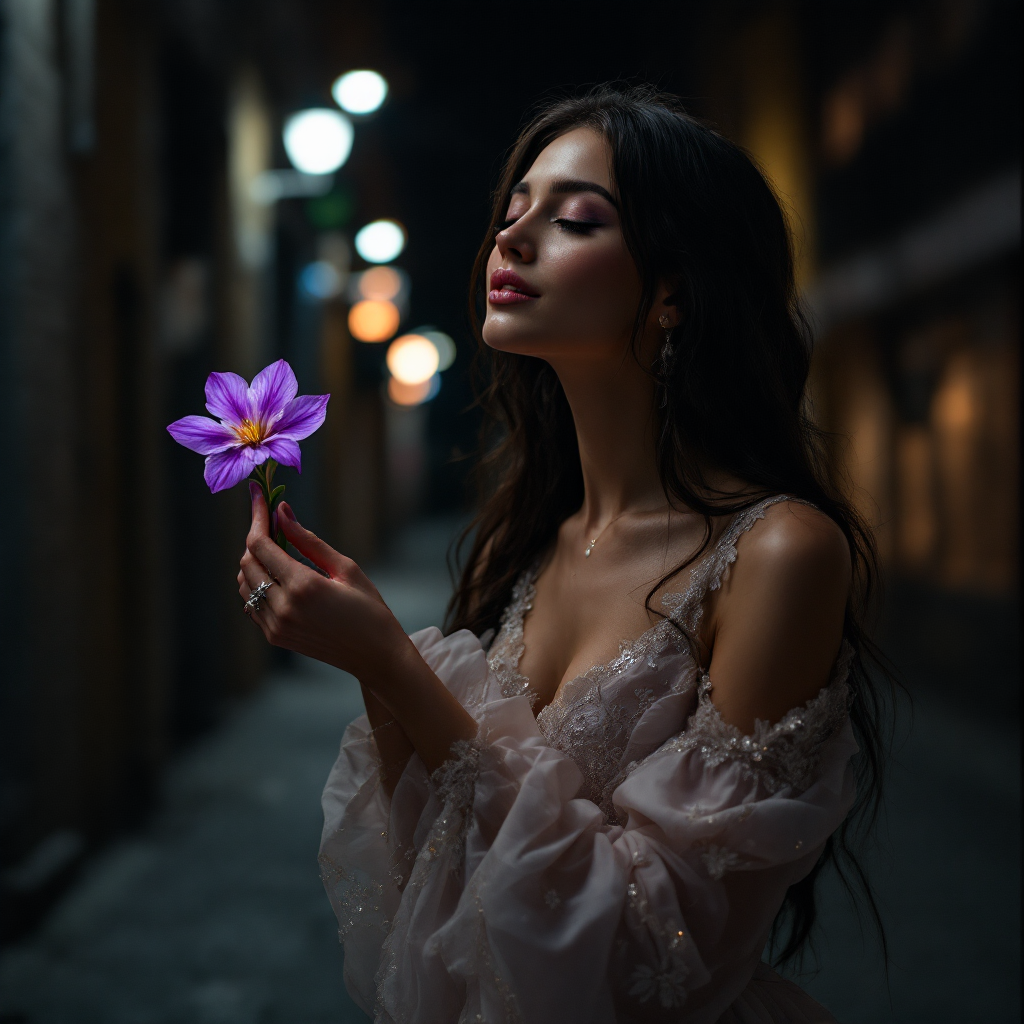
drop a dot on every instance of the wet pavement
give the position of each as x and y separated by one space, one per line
215 913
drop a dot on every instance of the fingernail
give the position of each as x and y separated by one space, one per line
285 510
254 490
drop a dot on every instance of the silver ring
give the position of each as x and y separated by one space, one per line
253 604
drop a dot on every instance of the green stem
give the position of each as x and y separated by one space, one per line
264 476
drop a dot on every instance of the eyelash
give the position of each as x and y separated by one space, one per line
577 227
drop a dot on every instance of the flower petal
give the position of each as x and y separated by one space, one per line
225 469
272 389
285 450
227 397
302 416
203 435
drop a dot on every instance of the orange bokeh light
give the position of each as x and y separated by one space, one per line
380 284
412 359
373 320
407 394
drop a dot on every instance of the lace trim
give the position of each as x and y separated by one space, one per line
581 720
593 731
683 608
354 901
687 607
455 782
784 754
508 646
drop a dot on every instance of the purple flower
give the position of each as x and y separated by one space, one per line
265 421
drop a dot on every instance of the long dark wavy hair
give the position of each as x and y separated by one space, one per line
696 212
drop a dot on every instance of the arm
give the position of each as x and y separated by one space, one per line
776 625
342 620
392 743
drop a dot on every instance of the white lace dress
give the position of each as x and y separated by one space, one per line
619 857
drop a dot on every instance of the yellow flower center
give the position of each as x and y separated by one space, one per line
251 433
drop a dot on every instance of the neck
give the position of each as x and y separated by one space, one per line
613 409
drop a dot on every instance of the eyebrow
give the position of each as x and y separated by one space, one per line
565 186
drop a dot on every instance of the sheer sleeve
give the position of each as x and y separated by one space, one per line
492 891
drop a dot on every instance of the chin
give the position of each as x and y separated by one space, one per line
503 334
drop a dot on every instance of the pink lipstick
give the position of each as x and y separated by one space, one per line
508 288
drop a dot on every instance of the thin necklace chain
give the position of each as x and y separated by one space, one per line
590 546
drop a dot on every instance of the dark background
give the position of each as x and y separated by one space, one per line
891 131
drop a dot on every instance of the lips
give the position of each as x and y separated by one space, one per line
508 288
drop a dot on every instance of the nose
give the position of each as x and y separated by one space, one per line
515 242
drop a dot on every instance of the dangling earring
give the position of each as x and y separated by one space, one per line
665 358
666 348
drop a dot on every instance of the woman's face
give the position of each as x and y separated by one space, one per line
561 283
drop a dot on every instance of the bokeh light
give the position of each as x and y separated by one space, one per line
380 241
412 359
360 92
413 394
380 283
373 320
446 351
318 141
320 280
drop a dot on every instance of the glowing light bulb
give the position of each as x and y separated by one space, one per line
380 241
412 359
318 141
373 320
360 92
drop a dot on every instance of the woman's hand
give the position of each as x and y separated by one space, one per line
338 618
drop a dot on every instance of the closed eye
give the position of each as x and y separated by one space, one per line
578 227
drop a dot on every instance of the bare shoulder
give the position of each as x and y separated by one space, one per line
795 544
777 623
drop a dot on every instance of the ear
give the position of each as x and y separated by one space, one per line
665 304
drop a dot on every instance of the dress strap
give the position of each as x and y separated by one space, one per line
686 608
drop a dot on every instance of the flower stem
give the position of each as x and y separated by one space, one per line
264 476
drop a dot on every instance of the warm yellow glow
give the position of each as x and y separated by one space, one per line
380 284
954 404
373 320
407 394
918 529
412 359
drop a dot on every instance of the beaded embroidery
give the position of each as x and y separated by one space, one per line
586 720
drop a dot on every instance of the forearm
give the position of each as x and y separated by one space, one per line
392 743
430 717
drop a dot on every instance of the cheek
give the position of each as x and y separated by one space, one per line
600 276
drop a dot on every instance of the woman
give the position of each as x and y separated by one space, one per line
538 819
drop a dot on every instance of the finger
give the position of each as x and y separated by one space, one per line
261 545
263 615
260 516
309 544
281 566
254 573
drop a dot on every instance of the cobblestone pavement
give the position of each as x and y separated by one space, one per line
216 915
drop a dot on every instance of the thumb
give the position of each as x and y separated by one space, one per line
310 545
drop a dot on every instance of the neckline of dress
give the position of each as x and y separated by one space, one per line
699 583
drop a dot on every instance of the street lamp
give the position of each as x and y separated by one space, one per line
360 92
318 141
